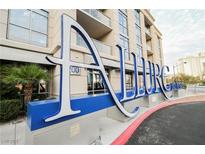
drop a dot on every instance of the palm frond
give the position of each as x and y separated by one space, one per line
26 74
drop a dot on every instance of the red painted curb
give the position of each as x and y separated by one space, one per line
124 137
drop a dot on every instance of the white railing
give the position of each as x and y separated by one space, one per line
147 31
101 47
148 48
98 15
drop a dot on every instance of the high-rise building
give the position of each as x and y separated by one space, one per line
27 36
192 65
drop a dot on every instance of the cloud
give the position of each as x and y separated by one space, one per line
183 32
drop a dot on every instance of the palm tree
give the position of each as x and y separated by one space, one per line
26 75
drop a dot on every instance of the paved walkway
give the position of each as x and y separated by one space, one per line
178 121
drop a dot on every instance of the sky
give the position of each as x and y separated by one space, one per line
183 33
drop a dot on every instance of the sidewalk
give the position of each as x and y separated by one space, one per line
14 131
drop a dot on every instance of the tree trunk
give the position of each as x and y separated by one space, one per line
28 89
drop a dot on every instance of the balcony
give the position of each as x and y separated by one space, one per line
106 49
148 34
149 50
101 47
94 22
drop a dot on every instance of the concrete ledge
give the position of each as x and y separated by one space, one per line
82 130
146 101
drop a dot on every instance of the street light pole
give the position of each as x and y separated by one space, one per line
174 66
174 73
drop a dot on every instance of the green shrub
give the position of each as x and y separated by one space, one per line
203 82
9 109
7 90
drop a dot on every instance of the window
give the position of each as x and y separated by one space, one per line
124 42
137 17
139 53
80 41
95 82
123 23
159 44
138 35
129 83
139 50
29 26
124 11
159 49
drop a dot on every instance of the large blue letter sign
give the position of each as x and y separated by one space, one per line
49 112
65 63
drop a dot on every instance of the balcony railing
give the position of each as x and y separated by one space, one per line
98 15
148 47
101 47
147 31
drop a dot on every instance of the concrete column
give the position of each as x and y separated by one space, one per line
115 79
3 23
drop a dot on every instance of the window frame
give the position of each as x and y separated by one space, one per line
123 15
130 85
127 49
29 41
138 37
96 75
136 11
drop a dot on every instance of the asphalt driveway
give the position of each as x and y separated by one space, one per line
180 124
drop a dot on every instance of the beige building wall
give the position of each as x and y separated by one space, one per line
192 65
108 40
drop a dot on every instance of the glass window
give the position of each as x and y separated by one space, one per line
159 44
139 53
80 41
138 35
41 12
137 17
124 11
38 38
139 50
18 33
29 26
124 42
123 23
19 17
129 83
37 21
159 49
95 82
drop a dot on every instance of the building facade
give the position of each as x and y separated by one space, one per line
192 65
27 36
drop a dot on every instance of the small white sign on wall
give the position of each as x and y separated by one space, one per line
74 70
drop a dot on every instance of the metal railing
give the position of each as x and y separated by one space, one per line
195 89
98 15
147 31
148 48
101 47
